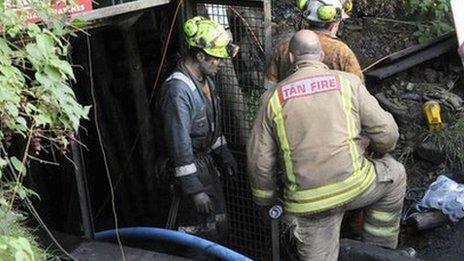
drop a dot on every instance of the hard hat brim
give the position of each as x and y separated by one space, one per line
218 52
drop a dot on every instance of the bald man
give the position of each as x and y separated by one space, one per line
312 121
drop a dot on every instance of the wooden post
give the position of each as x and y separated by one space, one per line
428 220
146 142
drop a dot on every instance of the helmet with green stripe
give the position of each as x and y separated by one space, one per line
209 36
325 10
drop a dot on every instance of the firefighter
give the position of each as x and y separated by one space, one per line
312 121
324 18
191 117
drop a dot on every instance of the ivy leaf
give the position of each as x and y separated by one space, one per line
4 48
64 67
53 73
43 119
34 53
45 44
22 122
17 164
79 24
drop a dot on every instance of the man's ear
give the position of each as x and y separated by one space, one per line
200 56
321 56
291 57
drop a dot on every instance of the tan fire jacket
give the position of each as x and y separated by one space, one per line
312 121
338 56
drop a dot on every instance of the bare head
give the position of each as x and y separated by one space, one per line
305 45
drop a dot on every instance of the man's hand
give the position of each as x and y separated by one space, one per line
226 161
231 167
365 142
203 203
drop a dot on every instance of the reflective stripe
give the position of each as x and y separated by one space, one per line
341 192
384 217
283 140
331 190
350 125
260 193
219 142
390 231
186 170
320 204
182 77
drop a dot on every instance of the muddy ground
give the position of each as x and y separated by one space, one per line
376 29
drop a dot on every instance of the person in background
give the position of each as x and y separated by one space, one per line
324 18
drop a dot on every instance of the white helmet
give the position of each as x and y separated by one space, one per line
325 10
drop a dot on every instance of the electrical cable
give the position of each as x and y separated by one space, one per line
100 140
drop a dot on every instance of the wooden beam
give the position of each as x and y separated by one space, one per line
111 11
413 59
243 3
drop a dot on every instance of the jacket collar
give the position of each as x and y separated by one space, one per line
309 64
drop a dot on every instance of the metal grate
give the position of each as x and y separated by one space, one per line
240 84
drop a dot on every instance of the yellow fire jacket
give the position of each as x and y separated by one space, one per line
338 56
312 121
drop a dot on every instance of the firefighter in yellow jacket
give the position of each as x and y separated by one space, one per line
324 17
312 121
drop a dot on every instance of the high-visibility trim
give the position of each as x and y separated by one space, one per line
390 231
219 142
261 193
341 192
384 217
182 77
276 108
319 204
185 170
331 190
348 108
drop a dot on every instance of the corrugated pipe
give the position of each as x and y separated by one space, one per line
175 237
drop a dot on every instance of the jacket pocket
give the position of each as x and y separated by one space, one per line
388 169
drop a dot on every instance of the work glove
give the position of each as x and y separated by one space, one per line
203 203
226 162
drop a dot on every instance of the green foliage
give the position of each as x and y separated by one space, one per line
434 17
37 103
450 140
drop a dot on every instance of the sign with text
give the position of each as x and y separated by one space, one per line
60 7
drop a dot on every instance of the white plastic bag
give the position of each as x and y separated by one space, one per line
446 195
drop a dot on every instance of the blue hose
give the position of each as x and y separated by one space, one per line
172 236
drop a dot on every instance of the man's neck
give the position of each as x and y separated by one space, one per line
193 68
331 31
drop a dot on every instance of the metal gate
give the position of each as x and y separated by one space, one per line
241 83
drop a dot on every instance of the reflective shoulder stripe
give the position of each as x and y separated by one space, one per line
182 77
219 142
261 193
185 170
347 99
276 108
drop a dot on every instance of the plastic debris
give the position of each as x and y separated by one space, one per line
446 195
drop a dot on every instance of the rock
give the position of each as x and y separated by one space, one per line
430 152
398 111
359 251
410 86
431 75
